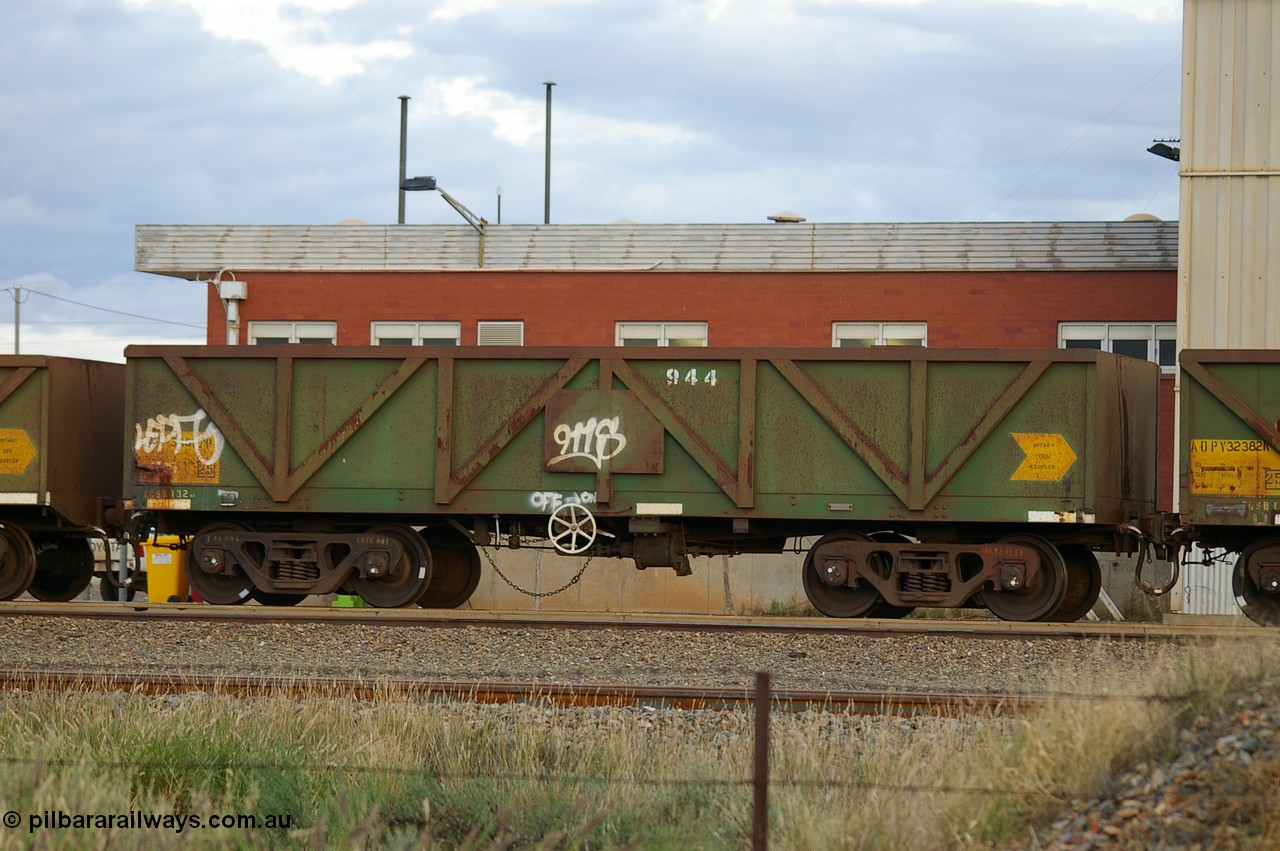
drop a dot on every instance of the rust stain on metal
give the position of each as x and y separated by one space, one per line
891 703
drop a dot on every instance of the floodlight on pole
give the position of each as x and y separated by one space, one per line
1162 148
419 184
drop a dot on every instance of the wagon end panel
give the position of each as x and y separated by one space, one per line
86 432
1126 414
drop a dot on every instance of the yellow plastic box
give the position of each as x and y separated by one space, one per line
166 568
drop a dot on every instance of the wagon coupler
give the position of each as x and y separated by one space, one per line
1143 548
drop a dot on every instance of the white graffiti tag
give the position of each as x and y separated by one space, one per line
167 430
549 501
596 440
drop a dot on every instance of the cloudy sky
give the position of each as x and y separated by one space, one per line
115 113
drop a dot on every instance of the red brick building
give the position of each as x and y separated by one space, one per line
1108 285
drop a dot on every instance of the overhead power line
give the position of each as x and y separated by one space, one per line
135 316
1074 141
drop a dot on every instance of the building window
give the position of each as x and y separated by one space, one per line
660 334
277 333
852 335
499 333
1153 341
415 333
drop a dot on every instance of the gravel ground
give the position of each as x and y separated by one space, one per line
605 657
1199 800
1212 795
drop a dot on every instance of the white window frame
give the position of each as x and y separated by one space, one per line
862 334
418 333
689 334
275 333
1106 334
500 333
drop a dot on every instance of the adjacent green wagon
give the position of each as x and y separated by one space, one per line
1229 470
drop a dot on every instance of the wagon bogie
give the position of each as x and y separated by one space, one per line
849 574
387 564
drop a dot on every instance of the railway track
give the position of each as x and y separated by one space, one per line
891 703
456 619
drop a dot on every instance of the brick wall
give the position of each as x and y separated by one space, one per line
962 309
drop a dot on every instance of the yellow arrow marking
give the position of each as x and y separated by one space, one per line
16 451
1048 458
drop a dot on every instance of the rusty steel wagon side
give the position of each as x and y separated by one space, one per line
1229 468
929 477
61 429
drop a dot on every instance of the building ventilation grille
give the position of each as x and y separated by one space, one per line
500 334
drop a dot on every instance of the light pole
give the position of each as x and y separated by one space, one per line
404 142
546 202
414 184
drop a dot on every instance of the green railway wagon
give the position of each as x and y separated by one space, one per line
928 477
1229 467
61 429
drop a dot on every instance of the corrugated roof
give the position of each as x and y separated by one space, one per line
191 250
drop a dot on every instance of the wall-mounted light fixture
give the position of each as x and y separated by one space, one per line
1162 148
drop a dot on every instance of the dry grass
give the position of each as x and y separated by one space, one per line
400 773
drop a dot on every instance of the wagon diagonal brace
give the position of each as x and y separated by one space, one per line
14 381
451 480
1224 394
738 484
280 481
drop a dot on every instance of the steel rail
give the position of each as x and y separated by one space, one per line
455 619
556 694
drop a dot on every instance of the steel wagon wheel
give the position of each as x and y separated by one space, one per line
1041 595
64 567
404 583
17 561
455 574
1255 580
837 600
214 572
1084 584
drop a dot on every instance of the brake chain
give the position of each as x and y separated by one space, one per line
562 588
